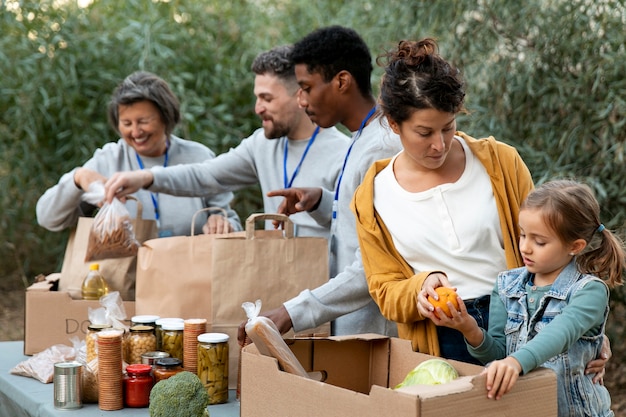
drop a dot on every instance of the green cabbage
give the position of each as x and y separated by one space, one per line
430 372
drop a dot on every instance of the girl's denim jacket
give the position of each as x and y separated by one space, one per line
577 394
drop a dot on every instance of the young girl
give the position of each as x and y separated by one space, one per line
553 311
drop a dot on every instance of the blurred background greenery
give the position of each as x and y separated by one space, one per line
546 76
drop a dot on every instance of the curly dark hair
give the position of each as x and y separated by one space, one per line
277 61
332 49
416 77
145 86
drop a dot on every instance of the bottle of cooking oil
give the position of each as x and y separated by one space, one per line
94 284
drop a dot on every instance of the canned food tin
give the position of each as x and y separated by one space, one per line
68 383
150 358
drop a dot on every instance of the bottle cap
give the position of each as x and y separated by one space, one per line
94 267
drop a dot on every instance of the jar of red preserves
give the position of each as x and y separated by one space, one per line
138 382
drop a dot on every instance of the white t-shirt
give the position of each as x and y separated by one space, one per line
453 227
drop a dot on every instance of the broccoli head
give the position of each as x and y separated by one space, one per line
181 395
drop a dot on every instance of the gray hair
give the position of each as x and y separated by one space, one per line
145 86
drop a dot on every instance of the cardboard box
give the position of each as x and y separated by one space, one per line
53 317
359 370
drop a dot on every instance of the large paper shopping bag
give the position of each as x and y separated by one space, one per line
119 273
210 276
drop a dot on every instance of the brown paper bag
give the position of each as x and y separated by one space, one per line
210 276
119 273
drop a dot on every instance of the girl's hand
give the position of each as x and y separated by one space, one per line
460 320
501 376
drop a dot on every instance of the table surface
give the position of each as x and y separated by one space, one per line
22 396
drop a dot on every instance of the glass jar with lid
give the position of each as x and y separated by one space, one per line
91 340
141 339
213 365
159 328
172 339
167 367
138 382
144 320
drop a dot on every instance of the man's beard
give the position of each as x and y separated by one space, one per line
275 131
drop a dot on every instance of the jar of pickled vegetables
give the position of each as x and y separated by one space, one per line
159 328
213 365
172 339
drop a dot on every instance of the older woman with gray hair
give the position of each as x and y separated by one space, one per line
144 112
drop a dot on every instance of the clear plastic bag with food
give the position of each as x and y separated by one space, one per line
41 365
268 340
111 234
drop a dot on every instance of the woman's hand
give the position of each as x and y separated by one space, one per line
216 224
434 280
598 365
83 177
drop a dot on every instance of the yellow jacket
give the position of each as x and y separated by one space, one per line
390 279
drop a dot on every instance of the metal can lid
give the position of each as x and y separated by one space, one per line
68 368
213 338
98 327
169 362
150 358
141 328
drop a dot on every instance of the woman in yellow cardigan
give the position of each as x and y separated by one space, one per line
443 211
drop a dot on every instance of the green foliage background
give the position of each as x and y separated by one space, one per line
544 75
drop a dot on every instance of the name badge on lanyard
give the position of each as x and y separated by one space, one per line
333 225
155 196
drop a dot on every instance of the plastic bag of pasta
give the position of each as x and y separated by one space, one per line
111 234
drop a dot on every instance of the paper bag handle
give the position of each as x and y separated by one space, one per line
193 218
250 223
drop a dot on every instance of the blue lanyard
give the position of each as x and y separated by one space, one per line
154 196
289 182
345 160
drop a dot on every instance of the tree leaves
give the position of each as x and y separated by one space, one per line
545 76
